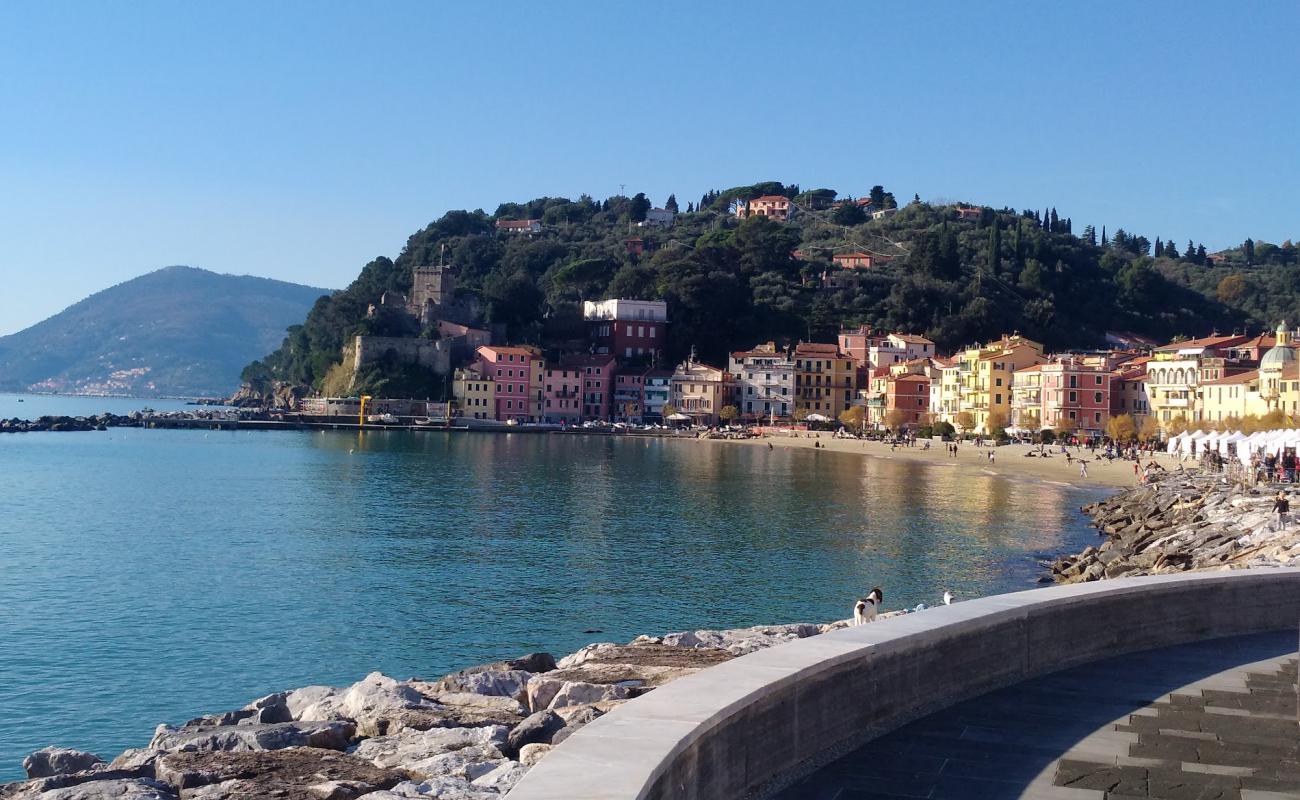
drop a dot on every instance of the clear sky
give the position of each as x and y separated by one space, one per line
299 140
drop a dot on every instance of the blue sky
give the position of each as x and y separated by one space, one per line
299 140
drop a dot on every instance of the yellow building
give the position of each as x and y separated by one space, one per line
986 376
945 391
700 391
473 394
825 380
1230 398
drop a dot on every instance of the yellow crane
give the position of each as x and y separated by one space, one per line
365 398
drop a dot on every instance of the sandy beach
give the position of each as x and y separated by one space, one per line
1009 460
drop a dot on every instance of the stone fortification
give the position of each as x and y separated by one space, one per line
434 355
1183 521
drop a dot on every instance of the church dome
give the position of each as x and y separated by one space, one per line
1277 356
1281 353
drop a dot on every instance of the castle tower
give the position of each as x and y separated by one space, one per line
434 285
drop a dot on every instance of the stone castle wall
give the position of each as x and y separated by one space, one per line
434 355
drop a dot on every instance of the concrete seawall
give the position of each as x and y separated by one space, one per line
747 726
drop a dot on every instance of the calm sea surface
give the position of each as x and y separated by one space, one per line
150 576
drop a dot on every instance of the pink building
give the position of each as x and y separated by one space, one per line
1078 391
629 401
511 368
562 390
597 383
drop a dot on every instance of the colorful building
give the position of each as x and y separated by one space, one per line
1075 391
986 374
701 391
765 380
825 380
656 392
627 329
629 395
597 383
473 394
562 395
1175 372
511 369
773 206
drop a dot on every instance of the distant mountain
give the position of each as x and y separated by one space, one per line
179 331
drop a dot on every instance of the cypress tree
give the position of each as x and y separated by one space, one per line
1055 226
1190 253
1104 241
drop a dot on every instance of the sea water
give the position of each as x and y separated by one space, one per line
155 575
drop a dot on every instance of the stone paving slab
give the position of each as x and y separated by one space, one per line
1212 720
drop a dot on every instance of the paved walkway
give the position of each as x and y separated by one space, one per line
1212 720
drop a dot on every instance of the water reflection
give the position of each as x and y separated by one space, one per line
225 565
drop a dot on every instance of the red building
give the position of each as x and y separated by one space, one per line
627 329
909 394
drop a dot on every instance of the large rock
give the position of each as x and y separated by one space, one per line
334 735
530 754
299 773
540 727
421 751
131 789
503 778
496 683
59 761
378 704
434 789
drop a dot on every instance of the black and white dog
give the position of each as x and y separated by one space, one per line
864 610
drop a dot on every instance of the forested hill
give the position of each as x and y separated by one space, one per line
178 331
732 283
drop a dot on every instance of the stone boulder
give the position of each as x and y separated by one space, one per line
539 727
434 789
503 778
334 735
495 683
299 773
530 754
59 761
92 786
424 752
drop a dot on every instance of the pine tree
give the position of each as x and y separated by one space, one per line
1190 253
1248 249
1200 254
671 203
690 208
1069 226
995 247
1090 235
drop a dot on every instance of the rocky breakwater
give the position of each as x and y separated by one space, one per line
1183 521
470 735
99 422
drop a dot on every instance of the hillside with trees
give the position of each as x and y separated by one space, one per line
177 331
730 283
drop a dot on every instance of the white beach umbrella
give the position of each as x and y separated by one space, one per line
817 418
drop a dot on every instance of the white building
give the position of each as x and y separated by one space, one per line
765 378
898 348
657 218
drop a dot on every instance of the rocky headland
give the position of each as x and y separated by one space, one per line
470 735
1179 521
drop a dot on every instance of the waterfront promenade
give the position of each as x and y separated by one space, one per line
1212 719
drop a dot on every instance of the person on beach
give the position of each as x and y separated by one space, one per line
1282 507
1083 468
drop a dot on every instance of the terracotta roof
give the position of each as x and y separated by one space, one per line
1204 341
517 223
817 348
771 198
1034 368
912 338
912 377
851 255
517 351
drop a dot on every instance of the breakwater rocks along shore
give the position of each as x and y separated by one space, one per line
470 735
1184 520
